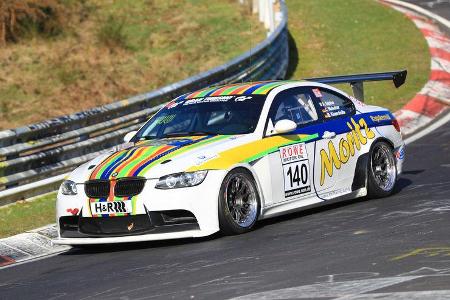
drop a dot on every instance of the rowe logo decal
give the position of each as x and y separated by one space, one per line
354 139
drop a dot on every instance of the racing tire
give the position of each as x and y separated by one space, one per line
382 171
239 203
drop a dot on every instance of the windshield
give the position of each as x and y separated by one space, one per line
225 115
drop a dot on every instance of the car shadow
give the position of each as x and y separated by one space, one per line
401 184
307 212
293 57
123 247
413 172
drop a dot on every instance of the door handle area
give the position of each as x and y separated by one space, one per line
328 135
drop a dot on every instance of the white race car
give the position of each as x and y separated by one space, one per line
221 158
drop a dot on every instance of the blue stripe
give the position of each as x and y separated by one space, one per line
181 145
252 89
211 92
108 171
339 125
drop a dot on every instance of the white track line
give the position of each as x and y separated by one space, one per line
421 10
428 129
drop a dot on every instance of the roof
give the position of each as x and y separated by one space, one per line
249 88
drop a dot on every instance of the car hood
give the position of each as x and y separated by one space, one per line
156 158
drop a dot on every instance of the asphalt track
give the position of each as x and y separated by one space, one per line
397 248
359 243
439 7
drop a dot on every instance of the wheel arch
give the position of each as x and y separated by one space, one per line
360 175
248 169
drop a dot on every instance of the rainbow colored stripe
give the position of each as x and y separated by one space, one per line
253 88
138 160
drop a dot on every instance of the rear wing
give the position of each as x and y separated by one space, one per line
356 81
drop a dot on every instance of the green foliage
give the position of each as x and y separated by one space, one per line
337 37
111 33
27 215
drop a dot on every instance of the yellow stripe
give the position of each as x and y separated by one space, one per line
228 158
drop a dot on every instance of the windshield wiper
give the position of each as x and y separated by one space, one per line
187 133
148 137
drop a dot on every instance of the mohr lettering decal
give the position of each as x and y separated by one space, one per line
346 148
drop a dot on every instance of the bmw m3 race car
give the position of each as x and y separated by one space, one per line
221 158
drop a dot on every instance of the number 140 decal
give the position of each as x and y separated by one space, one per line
295 170
296 178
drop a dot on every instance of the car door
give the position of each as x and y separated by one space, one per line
336 151
291 166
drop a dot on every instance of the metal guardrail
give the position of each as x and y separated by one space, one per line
32 156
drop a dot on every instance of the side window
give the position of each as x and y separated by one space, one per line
333 105
295 105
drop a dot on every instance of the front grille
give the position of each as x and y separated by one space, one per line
97 188
128 187
124 187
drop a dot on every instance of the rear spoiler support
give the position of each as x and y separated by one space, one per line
356 81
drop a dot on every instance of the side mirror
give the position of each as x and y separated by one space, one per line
284 126
129 136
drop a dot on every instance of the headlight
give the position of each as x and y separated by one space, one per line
181 180
68 187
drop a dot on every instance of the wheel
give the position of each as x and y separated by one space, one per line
238 203
382 171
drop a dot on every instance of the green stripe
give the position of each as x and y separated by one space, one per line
274 149
149 151
105 166
230 90
183 150
267 87
203 94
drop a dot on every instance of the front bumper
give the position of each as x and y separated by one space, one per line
201 202
134 238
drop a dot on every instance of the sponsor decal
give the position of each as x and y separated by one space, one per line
242 98
335 158
293 153
165 119
317 93
380 118
73 211
400 154
335 113
330 109
336 193
294 159
208 100
172 104
111 207
204 158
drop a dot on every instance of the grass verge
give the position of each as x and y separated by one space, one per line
336 37
26 215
